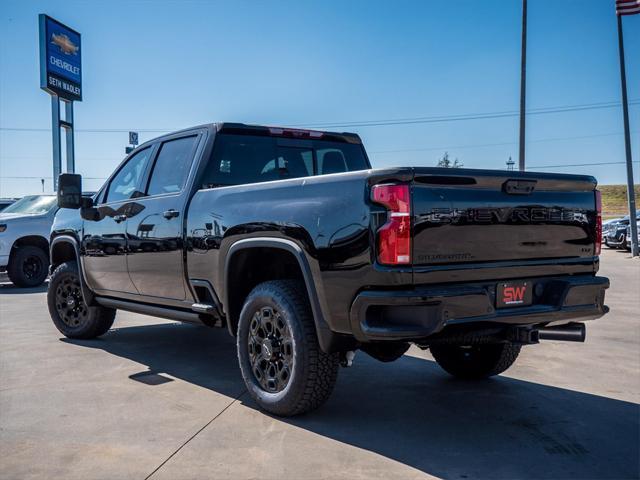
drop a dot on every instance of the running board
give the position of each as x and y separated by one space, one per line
152 310
204 308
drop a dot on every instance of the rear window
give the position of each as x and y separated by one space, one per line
241 159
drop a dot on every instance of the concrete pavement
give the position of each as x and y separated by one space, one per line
165 400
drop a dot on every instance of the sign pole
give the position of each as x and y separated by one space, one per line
55 130
523 84
631 196
68 126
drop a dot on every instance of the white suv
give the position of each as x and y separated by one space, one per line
24 239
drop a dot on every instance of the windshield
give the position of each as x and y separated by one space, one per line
32 205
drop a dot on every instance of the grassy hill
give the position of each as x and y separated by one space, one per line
614 200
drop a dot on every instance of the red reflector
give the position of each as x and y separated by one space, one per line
598 248
394 237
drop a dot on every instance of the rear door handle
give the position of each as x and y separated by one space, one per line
119 218
169 214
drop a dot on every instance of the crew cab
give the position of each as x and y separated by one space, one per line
293 243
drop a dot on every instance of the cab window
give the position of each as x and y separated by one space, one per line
172 166
126 183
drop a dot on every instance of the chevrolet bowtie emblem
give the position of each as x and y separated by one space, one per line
65 44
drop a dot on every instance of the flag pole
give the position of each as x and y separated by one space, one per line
631 197
523 84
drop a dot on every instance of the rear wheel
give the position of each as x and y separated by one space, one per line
282 364
475 361
28 266
68 310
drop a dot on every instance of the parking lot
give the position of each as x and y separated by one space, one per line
159 399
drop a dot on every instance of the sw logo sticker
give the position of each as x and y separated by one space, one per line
514 295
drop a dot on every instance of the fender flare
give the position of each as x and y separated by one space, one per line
14 245
326 337
86 291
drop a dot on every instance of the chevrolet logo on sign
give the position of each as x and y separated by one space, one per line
60 59
65 44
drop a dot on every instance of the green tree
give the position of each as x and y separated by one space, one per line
446 162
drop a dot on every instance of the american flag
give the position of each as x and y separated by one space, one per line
627 7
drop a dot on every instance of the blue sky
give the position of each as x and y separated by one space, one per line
165 65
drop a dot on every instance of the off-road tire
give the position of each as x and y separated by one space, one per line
81 321
313 372
475 361
28 267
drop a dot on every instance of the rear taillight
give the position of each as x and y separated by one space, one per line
394 237
598 222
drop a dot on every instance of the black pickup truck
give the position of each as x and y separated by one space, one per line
291 241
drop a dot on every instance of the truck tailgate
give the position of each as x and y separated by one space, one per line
481 218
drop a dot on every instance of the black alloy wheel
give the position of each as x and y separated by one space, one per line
70 313
70 303
270 346
32 267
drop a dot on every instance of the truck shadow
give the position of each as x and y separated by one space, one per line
8 288
411 412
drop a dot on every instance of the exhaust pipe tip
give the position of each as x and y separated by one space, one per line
571 332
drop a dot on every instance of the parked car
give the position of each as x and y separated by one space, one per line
5 202
617 232
24 239
606 226
628 236
25 227
291 241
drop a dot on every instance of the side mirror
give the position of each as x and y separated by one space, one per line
70 191
87 210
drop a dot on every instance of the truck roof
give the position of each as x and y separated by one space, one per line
275 131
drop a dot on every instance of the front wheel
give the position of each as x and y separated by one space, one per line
28 267
68 310
475 361
282 364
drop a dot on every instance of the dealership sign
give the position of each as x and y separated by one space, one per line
60 59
